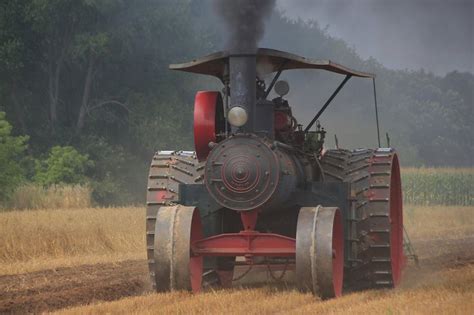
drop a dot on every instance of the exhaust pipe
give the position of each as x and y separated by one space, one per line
242 75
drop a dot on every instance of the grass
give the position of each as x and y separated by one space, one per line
442 170
75 234
54 197
33 240
452 293
47 239
423 222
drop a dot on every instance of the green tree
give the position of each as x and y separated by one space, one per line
64 165
93 74
12 150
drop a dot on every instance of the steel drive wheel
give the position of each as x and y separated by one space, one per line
168 169
374 176
175 268
320 251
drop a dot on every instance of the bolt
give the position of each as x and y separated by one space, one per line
222 188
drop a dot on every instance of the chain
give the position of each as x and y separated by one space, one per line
243 274
276 278
282 273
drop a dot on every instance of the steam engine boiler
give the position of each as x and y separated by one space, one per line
261 191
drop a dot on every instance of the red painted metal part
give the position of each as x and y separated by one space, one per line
205 111
282 121
246 243
163 196
265 267
249 219
396 223
393 196
196 262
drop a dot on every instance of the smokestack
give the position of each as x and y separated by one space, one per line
244 21
243 71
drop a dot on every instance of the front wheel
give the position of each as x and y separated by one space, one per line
320 251
175 268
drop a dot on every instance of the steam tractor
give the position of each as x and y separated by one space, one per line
261 191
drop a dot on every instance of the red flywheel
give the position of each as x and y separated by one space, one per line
208 121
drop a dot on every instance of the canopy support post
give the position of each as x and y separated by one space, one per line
327 103
376 112
275 78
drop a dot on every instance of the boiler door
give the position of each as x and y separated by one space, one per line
242 172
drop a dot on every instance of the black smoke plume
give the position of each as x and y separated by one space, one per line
244 21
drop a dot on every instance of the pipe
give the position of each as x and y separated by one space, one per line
242 74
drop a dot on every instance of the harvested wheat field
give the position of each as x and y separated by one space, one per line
92 261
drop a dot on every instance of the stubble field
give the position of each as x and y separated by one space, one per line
92 261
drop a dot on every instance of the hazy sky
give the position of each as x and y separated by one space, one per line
437 35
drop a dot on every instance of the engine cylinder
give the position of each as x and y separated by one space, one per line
246 172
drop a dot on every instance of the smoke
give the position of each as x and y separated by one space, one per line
436 35
244 21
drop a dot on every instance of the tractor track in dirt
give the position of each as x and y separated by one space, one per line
50 290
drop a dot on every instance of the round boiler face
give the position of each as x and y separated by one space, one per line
242 173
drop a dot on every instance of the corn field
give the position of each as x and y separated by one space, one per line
438 186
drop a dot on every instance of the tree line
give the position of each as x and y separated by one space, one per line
86 82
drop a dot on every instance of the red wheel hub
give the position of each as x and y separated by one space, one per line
208 121
396 222
196 262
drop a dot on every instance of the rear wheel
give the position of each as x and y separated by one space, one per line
374 176
168 169
320 251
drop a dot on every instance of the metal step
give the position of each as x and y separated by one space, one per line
156 203
384 283
379 246
382 272
379 231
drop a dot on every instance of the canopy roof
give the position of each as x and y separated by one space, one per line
268 61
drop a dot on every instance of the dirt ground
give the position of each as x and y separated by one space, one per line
50 290
54 289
